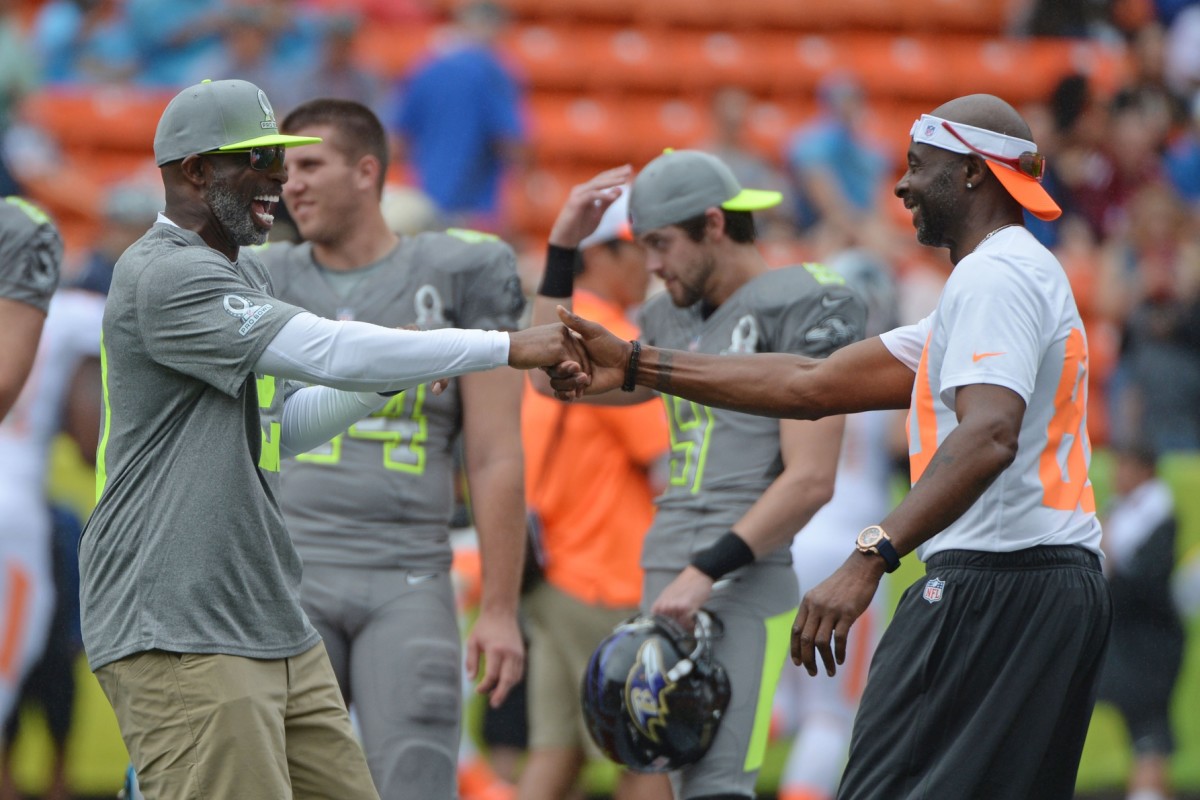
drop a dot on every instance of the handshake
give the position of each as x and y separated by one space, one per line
579 356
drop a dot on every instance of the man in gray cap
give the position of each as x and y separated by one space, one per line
30 256
189 581
740 486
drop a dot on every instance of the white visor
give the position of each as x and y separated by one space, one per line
929 130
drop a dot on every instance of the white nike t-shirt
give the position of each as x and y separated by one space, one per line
1007 317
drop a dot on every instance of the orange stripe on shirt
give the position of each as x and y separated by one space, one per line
16 617
926 418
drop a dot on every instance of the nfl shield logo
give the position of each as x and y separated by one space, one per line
933 590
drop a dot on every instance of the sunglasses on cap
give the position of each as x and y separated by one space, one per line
1028 163
262 159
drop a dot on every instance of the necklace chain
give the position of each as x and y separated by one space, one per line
990 235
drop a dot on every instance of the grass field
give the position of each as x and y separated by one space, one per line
97 757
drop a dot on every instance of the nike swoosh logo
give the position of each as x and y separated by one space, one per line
413 580
832 302
982 356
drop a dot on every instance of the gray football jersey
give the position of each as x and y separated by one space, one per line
381 494
30 253
722 461
187 549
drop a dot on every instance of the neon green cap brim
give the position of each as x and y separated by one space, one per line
752 200
271 140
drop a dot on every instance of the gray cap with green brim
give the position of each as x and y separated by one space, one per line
218 115
681 184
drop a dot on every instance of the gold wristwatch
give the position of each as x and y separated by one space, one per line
874 540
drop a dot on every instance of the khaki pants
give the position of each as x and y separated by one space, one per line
563 634
215 727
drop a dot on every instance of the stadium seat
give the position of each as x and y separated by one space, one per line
655 124
391 49
571 127
550 57
947 16
113 118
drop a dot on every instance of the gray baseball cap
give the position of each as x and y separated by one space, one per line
681 184
218 115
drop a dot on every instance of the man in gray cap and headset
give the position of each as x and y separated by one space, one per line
189 594
740 486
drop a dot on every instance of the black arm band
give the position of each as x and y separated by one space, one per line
559 278
724 556
631 368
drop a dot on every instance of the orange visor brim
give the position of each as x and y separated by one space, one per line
1026 191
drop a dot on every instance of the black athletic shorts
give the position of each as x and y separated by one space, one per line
984 682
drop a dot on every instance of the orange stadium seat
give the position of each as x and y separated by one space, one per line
802 61
706 61
571 127
1026 70
532 203
655 124
639 59
111 118
551 56
612 11
391 49
978 16
770 124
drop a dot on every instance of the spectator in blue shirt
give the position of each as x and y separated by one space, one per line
84 41
838 172
459 120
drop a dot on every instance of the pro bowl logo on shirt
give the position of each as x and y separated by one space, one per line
646 691
427 302
744 338
933 590
240 308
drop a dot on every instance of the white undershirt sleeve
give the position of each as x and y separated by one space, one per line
315 414
357 356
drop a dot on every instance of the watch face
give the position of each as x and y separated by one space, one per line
870 536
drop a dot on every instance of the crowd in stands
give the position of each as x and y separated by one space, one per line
487 141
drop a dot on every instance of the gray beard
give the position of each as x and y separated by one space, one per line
233 214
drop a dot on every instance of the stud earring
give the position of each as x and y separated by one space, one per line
969 186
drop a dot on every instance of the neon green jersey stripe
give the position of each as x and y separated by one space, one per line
779 637
101 471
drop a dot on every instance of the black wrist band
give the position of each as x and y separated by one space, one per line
559 278
887 551
724 556
631 368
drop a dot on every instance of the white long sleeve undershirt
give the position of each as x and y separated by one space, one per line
352 361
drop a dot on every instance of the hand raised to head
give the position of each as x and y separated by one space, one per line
586 205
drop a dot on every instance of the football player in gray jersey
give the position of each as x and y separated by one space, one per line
30 255
189 589
369 512
740 486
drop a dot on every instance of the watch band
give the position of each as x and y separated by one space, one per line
888 553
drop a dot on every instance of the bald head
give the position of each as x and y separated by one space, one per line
985 111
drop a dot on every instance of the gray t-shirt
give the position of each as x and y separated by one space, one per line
382 493
722 461
187 550
30 253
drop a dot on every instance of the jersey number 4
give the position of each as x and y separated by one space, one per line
400 427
